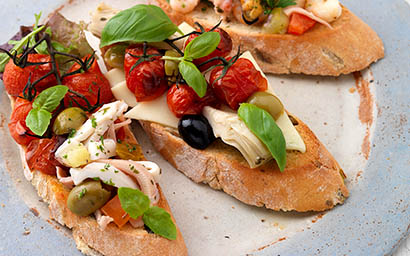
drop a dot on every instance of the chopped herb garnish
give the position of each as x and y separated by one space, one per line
102 139
82 193
96 178
105 110
93 122
65 156
109 182
72 133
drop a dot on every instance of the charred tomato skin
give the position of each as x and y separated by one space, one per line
183 100
16 78
147 80
40 155
88 84
241 80
17 125
223 49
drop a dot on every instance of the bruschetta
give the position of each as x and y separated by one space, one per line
313 37
215 117
78 150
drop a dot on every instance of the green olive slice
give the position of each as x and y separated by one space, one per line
69 119
87 197
171 67
268 102
114 56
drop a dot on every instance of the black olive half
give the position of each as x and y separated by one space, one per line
196 131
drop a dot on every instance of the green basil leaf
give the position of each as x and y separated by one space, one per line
160 222
133 201
285 3
4 58
193 77
141 23
38 121
50 98
262 124
202 45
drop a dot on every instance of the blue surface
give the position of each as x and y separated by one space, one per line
374 219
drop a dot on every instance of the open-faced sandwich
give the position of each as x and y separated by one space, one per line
215 117
315 37
77 147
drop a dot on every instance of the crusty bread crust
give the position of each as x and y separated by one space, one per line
311 181
89 237
351 46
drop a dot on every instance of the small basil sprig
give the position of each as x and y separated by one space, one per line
160 222
18 46
199 47
202 45
193 77
262 124
38 119
141 23
135 203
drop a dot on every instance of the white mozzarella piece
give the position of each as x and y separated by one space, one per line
293 139
154 111
105 172
99 150
121 92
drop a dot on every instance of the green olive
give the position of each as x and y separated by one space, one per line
268 102
87 197
171 66
277 22
129 151
69 119
114 56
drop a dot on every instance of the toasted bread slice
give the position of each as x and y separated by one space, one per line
311 181
89 237
350 46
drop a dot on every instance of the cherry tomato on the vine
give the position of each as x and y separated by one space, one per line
40 155
16 78
88 84
223 49
17 125
147 79
240 81
183 100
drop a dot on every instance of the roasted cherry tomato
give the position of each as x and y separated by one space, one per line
16 78
17 125
147 80
183 100
88 84
223 49
240 81
40 155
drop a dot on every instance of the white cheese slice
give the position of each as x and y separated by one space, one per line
154 111
121 92
115 76
293 139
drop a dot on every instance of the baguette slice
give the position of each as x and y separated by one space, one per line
351 46
89 237
311 181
